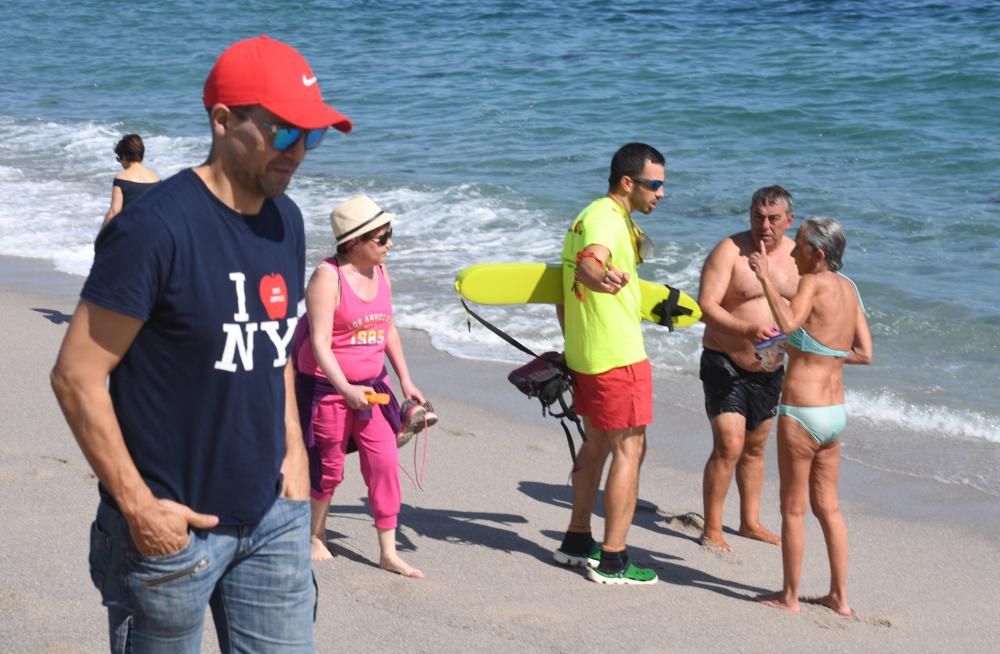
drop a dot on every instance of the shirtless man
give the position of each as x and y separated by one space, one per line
741 398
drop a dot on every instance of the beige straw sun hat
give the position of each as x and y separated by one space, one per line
357 216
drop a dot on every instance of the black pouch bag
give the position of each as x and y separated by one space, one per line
544 377
547 378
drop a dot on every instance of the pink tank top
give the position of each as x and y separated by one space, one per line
359 331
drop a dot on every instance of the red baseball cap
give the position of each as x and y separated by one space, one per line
263 71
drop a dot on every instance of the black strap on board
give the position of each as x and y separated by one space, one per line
667 308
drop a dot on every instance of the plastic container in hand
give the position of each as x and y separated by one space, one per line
771 352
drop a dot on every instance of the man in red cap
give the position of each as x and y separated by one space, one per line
189 309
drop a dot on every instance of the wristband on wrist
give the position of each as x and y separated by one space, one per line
577 286
588 254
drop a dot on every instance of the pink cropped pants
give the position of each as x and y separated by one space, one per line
332 422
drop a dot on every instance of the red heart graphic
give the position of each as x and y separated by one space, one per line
274 295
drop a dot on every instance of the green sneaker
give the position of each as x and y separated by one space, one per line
579 559
632 575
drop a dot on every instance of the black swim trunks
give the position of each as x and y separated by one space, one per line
731 389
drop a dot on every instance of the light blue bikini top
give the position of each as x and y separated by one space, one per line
803 342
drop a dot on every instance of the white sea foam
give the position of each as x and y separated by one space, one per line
55 185
885 408
444 230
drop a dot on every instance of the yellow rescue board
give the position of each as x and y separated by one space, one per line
540 283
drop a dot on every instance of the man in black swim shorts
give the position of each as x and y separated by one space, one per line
730 389
741 398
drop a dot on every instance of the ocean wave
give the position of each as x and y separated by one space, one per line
55 180
887 409
57 184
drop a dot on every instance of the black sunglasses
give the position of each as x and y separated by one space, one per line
381 239
651 184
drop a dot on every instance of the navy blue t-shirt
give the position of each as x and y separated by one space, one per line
200 394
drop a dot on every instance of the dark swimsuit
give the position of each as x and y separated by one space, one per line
132 190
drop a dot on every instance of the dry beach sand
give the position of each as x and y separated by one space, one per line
925 559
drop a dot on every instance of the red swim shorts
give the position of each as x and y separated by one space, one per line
617 399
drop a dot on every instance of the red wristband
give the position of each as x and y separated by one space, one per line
588 254
577 286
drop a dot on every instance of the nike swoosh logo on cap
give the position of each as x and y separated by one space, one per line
308 81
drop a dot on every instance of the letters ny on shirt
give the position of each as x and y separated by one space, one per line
241 334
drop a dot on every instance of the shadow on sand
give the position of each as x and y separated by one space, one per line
53 316
488 529
647 516
465 527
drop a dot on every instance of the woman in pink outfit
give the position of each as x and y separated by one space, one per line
350 333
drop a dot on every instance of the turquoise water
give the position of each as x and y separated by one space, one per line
488 125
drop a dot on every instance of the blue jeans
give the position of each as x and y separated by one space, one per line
257 579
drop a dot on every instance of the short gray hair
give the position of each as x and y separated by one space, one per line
827 235
769 195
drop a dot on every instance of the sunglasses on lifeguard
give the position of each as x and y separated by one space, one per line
283 137
382 239
651 184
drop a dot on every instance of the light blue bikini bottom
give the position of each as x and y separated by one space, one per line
824 423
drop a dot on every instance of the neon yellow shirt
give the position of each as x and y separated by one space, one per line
602 331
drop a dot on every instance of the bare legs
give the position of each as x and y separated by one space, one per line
320 550
587 477
389 559
627 448
826 506
809 473
734 448
795 456
750 484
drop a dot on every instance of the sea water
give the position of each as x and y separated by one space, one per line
487 125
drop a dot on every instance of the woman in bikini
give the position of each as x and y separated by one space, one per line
340 350
134 179
826 328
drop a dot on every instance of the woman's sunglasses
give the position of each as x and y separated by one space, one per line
381 239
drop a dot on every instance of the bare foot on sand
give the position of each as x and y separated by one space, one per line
320 550
399 566
761 533
779 601
832 602
715 542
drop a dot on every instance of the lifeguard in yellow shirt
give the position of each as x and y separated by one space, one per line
612 376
